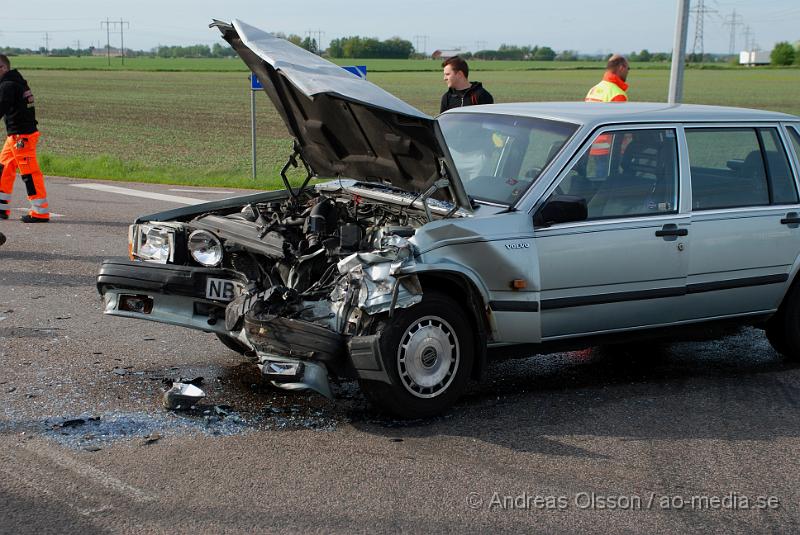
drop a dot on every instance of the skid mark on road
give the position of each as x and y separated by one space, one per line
138 193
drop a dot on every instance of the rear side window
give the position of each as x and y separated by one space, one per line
729 168
795 136
781 182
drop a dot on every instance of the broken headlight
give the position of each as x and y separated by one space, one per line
152 243
205 248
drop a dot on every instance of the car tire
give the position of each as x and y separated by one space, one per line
427 351
783 329
234 345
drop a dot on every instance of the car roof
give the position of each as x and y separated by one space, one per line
595 113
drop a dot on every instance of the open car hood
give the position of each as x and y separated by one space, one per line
344 125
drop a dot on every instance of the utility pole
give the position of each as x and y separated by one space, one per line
78 47
700 12
46 44
424 47
108 39
734 21
108 23
747 33
122 39
678 53
319 33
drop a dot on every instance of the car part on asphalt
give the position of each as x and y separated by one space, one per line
182 396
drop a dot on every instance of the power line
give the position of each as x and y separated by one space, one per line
319 34
747 33
700 11
51 31
424 40
108 23
734 21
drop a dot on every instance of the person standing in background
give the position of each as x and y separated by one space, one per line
19 150
613 86
460 91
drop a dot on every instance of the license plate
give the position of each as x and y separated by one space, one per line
222 289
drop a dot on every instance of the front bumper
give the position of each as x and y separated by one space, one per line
176 295
172 294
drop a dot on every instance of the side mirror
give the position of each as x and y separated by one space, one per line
561 209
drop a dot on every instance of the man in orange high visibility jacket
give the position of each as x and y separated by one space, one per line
19 150
613 87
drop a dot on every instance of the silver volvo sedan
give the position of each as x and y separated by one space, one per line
440 243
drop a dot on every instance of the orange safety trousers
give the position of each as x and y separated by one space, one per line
19 152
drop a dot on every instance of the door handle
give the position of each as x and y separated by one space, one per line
671 230
791 219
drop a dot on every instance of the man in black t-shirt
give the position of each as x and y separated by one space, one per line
460 91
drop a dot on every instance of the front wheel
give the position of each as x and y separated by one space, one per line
427 351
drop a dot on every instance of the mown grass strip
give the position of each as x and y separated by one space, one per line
112 168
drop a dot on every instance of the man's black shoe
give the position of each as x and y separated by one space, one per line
28 219
2 238
3 215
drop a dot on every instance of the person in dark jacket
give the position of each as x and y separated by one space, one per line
460 91
19 150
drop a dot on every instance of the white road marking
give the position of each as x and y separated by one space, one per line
139 193
66 461
200 191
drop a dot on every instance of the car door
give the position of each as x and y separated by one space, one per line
625 265
745 214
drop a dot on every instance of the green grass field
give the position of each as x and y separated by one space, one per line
193 127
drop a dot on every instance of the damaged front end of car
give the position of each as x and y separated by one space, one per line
296 281
302 279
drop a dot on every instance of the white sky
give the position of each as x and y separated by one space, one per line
590 27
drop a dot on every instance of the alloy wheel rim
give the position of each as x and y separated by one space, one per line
428 357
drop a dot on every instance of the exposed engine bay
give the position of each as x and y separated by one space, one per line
315 259
319 266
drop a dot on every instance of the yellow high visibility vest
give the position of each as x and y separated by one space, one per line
606 91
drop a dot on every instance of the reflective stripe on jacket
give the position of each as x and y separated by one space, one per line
610 89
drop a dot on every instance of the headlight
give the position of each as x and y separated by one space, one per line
154 244
205 248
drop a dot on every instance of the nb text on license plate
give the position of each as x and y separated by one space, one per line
222 289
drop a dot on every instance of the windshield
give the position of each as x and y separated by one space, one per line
498 157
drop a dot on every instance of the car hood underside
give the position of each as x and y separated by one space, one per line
344 125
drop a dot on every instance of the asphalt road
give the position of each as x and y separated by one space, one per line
686 437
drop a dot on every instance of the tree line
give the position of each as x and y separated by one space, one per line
784 53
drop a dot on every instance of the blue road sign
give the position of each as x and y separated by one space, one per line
358 70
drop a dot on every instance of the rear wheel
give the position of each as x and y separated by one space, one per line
427 351
783 329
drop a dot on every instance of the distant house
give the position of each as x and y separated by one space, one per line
113 52
444 54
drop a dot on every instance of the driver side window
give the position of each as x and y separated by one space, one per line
626 173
